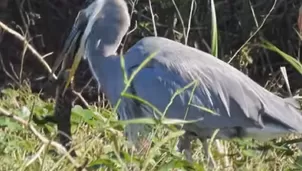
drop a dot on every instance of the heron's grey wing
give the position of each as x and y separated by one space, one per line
236 99
158 84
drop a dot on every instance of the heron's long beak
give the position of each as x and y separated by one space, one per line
73 45
69 47
71 41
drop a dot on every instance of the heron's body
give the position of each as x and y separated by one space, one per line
241 106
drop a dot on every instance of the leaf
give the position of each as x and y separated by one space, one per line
104 161
152 121
294 62
180 164
159 144
86 114
13 126
178 121
214 30
249 153
205 109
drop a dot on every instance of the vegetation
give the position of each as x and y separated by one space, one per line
238 32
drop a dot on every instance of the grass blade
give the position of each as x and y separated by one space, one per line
214 30
295 63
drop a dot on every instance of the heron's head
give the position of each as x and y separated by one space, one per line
99 27
97 31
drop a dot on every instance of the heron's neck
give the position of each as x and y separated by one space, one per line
107 72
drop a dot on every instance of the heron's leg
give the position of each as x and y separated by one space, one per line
207 153
184 145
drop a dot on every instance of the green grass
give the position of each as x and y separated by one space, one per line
99 141
100 145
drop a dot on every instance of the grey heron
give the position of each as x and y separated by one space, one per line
242 107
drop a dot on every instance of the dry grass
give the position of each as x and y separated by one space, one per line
100 143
